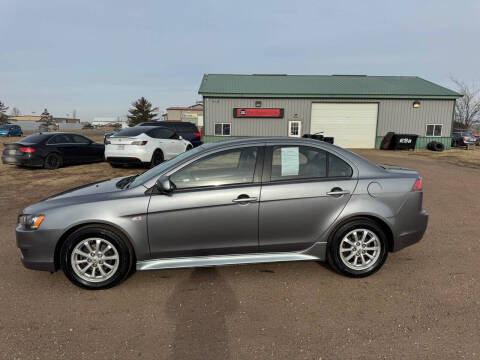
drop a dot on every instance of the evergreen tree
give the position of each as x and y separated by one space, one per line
141 112
46 121
3 113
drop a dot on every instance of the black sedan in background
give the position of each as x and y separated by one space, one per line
52 150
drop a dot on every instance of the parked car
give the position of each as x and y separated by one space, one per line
462 137
235 202
106 136
147 145
10 130
52 150
187 130
477 136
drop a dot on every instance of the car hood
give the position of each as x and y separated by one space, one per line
92 192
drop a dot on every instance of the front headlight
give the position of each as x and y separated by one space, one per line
30 222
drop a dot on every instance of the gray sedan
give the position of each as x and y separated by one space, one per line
236 202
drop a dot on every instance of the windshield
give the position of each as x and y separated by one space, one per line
157 170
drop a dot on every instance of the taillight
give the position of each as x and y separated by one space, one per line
141 143
418 185
3 148
26 149
463 138
197 134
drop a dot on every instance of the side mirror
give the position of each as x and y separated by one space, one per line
164 185
180 137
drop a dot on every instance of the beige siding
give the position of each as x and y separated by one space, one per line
393 115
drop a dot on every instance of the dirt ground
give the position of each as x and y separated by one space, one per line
423 304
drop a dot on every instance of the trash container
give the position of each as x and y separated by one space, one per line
404 141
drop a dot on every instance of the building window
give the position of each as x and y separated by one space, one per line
295 128
258 103
434 130
222 129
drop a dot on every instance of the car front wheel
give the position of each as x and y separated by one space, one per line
96 257
358 248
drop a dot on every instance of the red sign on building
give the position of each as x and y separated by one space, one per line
257 113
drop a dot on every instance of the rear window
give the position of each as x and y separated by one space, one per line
35 138
186 127
133 131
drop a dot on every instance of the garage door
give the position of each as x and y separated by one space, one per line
352 125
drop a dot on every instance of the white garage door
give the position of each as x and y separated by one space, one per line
352 125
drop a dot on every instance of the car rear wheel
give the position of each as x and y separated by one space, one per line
358 248
53 161
96 257
189 147
157 158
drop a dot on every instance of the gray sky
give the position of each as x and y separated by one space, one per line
99 56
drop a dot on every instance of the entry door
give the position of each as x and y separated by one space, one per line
214 209
352 125
305 192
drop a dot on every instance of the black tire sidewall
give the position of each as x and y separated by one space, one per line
125 255
334 246
159 154
59 163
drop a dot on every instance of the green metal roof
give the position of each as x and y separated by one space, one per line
326 86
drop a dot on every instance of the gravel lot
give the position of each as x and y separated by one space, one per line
423 304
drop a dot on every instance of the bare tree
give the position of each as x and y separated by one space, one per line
16 112
467 108
3 113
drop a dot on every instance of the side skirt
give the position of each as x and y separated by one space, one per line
316 252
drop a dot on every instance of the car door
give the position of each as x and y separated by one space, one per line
213 209
84 152
63 144
304 190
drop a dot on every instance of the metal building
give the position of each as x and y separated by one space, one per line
357 110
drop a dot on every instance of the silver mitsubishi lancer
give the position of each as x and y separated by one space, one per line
237 202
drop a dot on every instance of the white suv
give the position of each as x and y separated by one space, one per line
144 145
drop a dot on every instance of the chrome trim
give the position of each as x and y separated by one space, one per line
218 260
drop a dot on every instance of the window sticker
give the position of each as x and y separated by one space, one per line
290 161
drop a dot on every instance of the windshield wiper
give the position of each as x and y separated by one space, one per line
130 180
126 181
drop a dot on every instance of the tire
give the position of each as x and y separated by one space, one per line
157 158
92 272
353 267
189 147
435 146
53 161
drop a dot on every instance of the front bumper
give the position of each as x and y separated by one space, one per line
37 248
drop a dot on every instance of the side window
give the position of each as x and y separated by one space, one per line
227 167
161 133
78 139
337 167
303 162
60 139
298 162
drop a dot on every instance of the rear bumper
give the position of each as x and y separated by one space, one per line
196 143
413 236
137 153
37 248
22 161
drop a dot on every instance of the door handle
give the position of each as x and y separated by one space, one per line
337 192
244 199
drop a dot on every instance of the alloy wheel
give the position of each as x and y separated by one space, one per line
360 249
95 259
